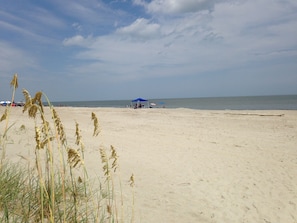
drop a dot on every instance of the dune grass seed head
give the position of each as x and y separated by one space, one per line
77 134
4 116
73 158
59 127
33 105
104 161
14 82
28 100
131 180
96 124
38 138
114 158
37 100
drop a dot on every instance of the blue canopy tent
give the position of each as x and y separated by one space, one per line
138 101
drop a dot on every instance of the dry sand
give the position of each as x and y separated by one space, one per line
190 165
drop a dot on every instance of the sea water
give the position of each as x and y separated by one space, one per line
277 102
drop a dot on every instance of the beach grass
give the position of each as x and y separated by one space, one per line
56 186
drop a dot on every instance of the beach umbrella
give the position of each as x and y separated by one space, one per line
139 100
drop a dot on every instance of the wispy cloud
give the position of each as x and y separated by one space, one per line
141 28
176 6
189 44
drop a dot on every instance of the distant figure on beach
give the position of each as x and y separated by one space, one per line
138 105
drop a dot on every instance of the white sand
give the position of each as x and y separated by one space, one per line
190 165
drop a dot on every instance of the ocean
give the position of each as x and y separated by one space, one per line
276 102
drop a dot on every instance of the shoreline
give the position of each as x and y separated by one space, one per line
276 102
199 109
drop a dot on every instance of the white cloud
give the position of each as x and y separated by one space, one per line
140 28
75 40
78 40
176 6
194 43
251 31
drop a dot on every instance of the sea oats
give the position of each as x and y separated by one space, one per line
33 111
14 81
59 127
46 141
26 95
131 181
77 134
38 138
45 127
103 155
37 97
45 200
41 141
28 100
104 161
37 100
4 116
114 157
33 105
96 124
73 157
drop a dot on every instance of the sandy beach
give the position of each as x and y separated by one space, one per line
189 165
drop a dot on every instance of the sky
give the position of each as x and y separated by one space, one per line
76 50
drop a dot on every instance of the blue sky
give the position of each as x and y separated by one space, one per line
105 50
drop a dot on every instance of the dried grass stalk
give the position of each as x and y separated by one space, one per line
14 82
131 180
33 111
28 100
114 157
73 157
45 127
104 161
38 138
37 100
77 134
96 124
59 127
4 116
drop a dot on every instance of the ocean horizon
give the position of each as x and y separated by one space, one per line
273 102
